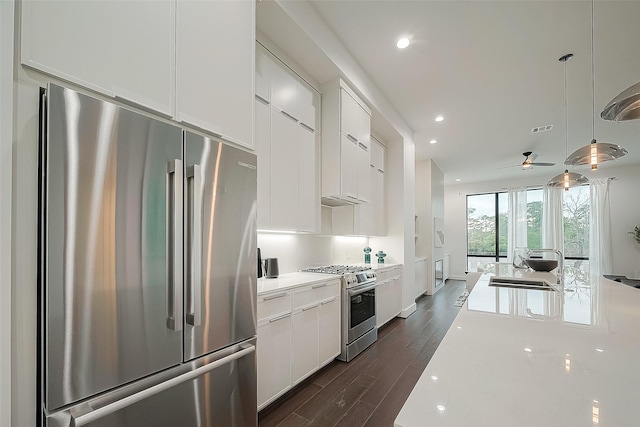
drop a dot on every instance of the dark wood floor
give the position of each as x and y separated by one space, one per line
371 389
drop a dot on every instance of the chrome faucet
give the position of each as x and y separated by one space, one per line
560 273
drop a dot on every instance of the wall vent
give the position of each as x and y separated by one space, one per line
542 129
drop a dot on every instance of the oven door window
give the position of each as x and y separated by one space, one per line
363 307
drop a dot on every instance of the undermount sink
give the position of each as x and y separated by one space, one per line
508 282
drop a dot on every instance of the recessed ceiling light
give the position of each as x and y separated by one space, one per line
433 141
441 408
402 43
458 180
527 349
439 118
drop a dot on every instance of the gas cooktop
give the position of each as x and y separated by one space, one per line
337 269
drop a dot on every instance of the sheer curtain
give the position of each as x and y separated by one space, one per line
600 229
516 221
552 223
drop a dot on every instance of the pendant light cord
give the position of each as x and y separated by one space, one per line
566 113
593 74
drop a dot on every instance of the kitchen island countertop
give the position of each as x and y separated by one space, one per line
516 357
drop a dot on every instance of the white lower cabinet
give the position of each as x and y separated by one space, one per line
298 333
388 295
305 342
274 361
329 337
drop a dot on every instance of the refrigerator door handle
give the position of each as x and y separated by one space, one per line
194 245
158 388
174 244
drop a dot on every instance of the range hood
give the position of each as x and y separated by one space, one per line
625 106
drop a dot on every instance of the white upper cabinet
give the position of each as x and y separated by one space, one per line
215 67
121 49
307 106
287 147
190 60
263 74
346 140
263 153
308 197
284 90
284 172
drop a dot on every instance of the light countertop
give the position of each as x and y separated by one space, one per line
292 280
516 357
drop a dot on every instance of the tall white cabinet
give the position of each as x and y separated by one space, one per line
346 141
286 110
192 61
214 66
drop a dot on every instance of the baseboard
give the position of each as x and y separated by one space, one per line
408 311
458 277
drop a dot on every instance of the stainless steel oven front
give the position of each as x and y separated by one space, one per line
358 319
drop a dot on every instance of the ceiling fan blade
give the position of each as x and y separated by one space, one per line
543 164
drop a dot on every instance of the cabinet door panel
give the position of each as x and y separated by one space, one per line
215 67
349 152
263 151
284 90
308 199
100 45
307 106
284 172
379 203
274 358
363 174
304 342
263 73
329 330
349 114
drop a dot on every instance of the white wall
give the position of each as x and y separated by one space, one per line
625 213
298 251
6 142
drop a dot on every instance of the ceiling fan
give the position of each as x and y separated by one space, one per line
529 160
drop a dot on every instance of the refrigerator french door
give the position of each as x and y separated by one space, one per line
147 270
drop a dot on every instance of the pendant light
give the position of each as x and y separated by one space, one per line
625 106
596 152
567 179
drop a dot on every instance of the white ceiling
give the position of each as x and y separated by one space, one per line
490 67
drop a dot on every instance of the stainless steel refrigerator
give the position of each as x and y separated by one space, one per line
147 278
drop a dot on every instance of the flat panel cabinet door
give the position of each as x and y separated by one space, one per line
113 194
220 245
305 348
307 106
284 90
100 45
263 151
308 199
263 73
284 172
329 330
379 203
215 67
274 358
349 153
364 174
349 114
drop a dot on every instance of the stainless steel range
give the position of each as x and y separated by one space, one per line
358 307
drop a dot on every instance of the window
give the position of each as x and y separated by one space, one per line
576 223
487 225
486 228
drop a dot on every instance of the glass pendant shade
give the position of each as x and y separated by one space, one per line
567 179
625 106
595 153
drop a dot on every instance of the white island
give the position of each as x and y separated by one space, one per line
516 357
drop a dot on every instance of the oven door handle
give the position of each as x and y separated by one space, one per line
358 291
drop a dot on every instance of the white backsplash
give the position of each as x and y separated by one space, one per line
298 251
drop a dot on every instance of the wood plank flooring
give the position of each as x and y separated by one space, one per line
371 389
